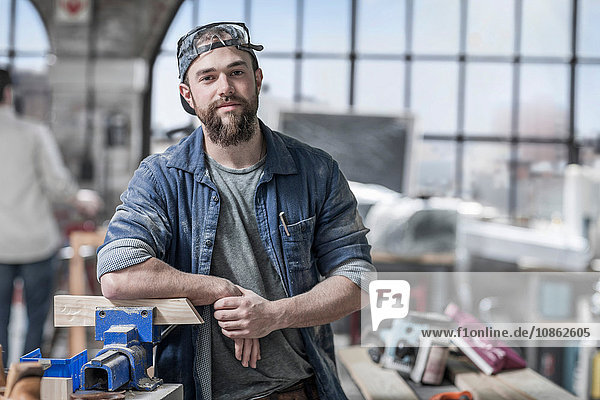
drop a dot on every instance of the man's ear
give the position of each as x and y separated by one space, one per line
258 77
186 93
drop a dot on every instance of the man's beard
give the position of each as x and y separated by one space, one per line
231 129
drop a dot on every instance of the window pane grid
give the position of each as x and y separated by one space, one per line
507 38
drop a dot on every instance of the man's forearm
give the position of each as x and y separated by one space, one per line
156 279
328 301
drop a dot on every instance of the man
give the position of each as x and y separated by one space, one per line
245 222
32 176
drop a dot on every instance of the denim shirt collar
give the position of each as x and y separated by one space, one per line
188 155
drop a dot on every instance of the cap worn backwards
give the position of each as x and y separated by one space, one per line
205 38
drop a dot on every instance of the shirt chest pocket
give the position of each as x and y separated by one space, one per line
297 246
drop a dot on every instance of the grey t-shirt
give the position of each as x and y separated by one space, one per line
239 256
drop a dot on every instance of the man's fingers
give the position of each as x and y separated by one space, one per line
233 325
239 347
226 315
227 303
255 354
246 353
238 334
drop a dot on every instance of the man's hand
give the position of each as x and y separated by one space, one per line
246 316
225 288
247 351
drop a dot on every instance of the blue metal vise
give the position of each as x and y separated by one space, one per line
129 336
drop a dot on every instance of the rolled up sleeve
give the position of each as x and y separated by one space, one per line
140 228
359 271
339 234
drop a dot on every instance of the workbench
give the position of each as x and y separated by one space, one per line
167 391
376 383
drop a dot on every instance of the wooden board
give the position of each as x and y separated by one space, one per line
520 384
56 388
484 387
80 310
534 385
374 382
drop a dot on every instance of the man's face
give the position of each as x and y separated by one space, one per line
223 90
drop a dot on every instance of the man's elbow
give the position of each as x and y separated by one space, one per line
112 285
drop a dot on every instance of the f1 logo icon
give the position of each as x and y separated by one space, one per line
388 299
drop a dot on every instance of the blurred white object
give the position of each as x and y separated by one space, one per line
549 248
88 202
413 227
581 204
368 194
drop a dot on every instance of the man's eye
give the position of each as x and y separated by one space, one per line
205 78
236 73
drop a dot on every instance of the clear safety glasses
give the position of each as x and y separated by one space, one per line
212 36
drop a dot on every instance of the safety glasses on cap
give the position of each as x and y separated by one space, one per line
212 36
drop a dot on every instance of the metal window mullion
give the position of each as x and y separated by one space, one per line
195 13
298 52
498 138
408 37
247 10
460 108
352 56
516 90
12 27
573 150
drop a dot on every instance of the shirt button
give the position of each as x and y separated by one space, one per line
215 198
208 243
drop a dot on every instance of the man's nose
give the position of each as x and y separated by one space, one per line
225 87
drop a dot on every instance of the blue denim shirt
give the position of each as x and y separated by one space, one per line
171 207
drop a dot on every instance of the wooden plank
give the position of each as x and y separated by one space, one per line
484 387
80 310
167 391
467 377
374 382
56 388
534 385
520 384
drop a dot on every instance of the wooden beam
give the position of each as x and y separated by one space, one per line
534 385
374 382
80 310
518 384
56 388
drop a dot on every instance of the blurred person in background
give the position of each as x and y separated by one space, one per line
32 177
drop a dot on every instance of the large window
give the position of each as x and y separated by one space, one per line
24 47
505 93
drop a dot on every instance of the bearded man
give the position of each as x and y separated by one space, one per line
258 230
